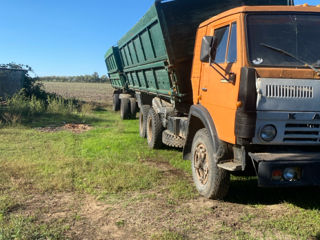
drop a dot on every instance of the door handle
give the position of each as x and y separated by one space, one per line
204 89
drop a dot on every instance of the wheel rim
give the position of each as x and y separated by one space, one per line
149 129
201 163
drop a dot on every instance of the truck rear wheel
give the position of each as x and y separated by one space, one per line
116 102
125 109
210 180
133 108
143 120
154 130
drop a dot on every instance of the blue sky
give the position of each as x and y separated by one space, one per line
67 37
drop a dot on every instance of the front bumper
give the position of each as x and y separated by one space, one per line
307 163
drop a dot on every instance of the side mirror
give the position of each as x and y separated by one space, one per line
208 49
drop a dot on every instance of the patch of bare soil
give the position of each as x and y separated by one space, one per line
72 127
77 128
165 168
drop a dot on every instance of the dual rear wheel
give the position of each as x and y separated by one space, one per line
150 126
127 106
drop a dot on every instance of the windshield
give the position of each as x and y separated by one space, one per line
273 38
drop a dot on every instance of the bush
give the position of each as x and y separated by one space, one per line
60 105
19 106
32 100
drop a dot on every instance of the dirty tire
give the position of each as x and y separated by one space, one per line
211 181
116 102
133 108
172 140
125 109
154 130
143 120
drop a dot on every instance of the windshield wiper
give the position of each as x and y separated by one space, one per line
291 55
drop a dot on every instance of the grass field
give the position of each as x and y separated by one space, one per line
102 182
90 92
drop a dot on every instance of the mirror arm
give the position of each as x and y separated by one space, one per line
231 78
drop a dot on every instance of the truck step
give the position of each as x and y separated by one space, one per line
231 166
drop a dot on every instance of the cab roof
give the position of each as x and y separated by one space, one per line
246 9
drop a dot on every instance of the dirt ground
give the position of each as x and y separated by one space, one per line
149 215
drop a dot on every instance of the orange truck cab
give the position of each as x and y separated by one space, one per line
256 91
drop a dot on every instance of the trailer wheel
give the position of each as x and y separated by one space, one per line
125 109
116 102
210 180
154 130
143 120
172 140
133 108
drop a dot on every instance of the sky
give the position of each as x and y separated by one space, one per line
67 37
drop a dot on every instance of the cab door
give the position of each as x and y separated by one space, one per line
217 94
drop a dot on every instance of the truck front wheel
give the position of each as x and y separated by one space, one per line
210 180
154 130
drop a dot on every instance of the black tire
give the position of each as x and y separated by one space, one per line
172 140
143 120
133 108
154 130
211 181
125 109
116 102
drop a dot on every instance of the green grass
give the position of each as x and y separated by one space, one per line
300 223
109 160
20 227
168 235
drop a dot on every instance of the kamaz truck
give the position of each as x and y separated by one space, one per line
236 84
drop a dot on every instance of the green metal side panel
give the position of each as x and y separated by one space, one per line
113 61
144 55
115 68
118 80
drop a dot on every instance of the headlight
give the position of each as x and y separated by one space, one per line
290 174
268 133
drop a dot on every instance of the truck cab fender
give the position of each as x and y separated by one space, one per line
199 118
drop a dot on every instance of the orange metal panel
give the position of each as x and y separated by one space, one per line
196 66
261 9
218 96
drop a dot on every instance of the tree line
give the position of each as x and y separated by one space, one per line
94 78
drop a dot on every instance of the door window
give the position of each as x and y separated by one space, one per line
224 35
222 38
232 52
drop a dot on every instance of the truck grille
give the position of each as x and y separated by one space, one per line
302 133
288 91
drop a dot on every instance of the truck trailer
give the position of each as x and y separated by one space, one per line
233 83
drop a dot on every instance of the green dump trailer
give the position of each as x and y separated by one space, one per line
155 57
